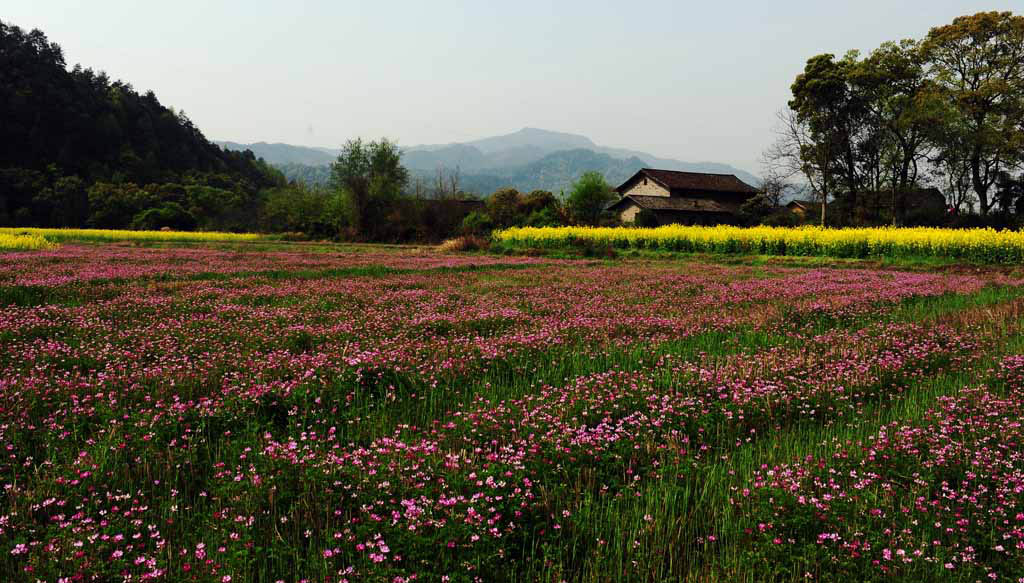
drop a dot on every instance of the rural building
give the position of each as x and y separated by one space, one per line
686 198
803 208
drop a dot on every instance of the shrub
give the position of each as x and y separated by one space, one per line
463 243
171 215
477 223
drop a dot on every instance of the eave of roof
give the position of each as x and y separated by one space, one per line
676 203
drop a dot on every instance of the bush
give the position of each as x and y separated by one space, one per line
170 215
477 223
545 217
464 243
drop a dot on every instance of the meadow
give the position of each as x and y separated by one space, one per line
232 413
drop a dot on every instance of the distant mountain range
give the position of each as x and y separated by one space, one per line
526 160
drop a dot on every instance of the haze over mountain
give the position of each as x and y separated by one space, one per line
528 159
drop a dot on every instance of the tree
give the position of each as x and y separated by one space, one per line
372 176
756 209
503 207
836 115
795 153
978 64
589 197
536 201
113 206
776 186
1009 193
903 108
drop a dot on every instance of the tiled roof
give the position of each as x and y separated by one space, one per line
695 181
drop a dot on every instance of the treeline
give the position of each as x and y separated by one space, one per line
947 110
370 196
78 149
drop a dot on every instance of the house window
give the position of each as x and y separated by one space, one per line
645 182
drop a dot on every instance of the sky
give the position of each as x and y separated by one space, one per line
695 81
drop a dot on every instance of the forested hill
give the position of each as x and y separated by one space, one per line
77 148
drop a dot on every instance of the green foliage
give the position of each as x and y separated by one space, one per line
114 205
71 138
372 176
316 212
503 207
545 217
169 215
953 101
477 223
979 70
538 200
589 197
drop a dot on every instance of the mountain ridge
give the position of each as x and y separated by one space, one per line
555 158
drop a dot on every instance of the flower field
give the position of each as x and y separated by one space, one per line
976 245
226 414
108 235
23 242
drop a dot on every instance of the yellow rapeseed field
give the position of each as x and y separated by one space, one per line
102 235
26 242
980 245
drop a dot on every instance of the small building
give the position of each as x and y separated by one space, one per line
803 208
686 198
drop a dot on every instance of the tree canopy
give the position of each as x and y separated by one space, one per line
948 110
71 136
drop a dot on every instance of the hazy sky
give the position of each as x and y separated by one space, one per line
697 81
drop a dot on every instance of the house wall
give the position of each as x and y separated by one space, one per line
652 188
628 214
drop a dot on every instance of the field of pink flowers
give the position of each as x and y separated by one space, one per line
232 414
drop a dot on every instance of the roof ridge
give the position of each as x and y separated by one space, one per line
691 172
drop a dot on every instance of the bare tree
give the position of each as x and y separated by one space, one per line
447 185
795 153
453 182
775 187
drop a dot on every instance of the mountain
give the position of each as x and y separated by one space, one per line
552 171
528 159
284 153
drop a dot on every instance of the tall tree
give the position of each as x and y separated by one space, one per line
978 61
372 176
902 106
836 115
589 197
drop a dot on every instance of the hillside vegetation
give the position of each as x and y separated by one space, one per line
77 148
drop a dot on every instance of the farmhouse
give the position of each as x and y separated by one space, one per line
803 208
686 198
